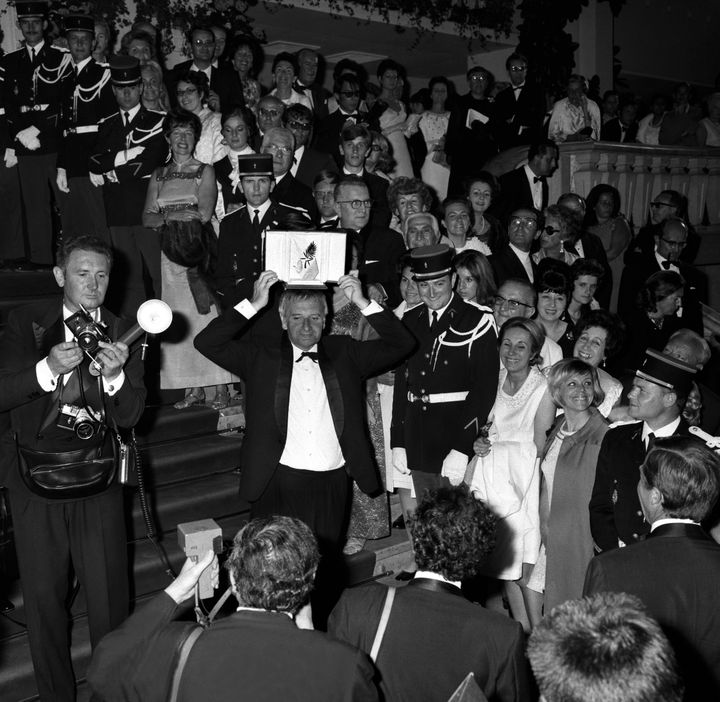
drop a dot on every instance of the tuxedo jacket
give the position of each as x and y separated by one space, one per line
460 355
612 131
267 372
224 81
311 163
291 192
380 215
125 199
223 171
30 333
241 250
515 193
640 266
32 94
614 506
327 134
675 572
506 264
434 638
262 654
519 120
319 96
84 104
382 249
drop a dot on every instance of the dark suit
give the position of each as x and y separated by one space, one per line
506 264
291 192
267 372
327 134
311 163
515 192
614 506
136 247
675 572
224 81
381 252
434 638
460 355
640 266
49 534
518 120
318 96
612 131
380 215
255 655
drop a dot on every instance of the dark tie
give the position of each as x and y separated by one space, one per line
32 55
256 221
433 324
126 115
312 355
539 179
666 265
75 73
650 441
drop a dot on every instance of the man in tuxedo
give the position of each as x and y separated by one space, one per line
519 107
241 250
33 77
305 436
225 87
355 142
670 240
272 568
87 98
603 647
514 260
527 186
307 161
378 250
434 636
656 400
348 93
445 390
45 381
308 63
279 143
623 128
675 570
129 147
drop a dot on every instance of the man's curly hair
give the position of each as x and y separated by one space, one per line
452 532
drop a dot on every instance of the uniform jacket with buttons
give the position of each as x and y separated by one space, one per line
459 356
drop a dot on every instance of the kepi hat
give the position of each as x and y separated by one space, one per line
255 164
79 23
667 371
431 262
124 70
31 8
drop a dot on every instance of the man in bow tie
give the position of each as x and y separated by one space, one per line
348 93
305 437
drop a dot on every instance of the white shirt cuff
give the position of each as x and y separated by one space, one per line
372 308
47 381
112 386
246 309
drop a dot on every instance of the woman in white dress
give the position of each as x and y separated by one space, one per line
192 92
388 115
505 474
433 124
284 70
457 222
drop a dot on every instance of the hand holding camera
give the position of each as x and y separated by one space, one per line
63 357
111 358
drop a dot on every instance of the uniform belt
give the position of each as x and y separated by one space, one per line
437 398
87 129
33 108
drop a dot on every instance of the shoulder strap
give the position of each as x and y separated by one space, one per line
382 624
182 658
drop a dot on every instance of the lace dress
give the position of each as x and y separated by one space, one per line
434 126
181 365
508 479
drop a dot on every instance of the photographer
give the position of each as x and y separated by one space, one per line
258 653
59 459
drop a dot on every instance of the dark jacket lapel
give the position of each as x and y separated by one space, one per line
282 386
332 387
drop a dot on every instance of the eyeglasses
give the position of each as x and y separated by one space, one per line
512 305
518 69
674 244
356 204
278 149
203 42
657 205
524 221
269 113
324 195
187 91
479 76
302 126
350 93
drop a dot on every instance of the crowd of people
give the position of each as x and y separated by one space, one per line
505 363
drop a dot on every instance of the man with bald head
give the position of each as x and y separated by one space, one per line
514 260
670 240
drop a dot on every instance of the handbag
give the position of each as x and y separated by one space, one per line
62 475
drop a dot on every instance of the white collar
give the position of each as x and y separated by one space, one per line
95 314
522 255
440 312
298 352
206 71
262 209
259 609
518 87
671 520
429 575
660 259
359 174
83 63
531 176
38 47
132 112
667 430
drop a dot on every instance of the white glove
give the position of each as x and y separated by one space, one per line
123 157
28 138
96 179
454 466
399 459
10 158
111 176
61 180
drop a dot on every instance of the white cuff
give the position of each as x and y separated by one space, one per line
245 308
45 378
372 308
112 386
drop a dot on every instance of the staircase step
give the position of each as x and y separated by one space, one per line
190 458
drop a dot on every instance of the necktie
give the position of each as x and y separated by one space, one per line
32 55
256 221
539 179
433 324
666 265
650 441
312 355
75 72
126 115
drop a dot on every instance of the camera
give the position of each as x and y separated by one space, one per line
79 420
87 332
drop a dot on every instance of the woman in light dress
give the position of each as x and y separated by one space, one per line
505 474
192 92
457 222
433 124
284 70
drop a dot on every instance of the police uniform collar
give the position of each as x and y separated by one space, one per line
83 63
132 112
38 47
